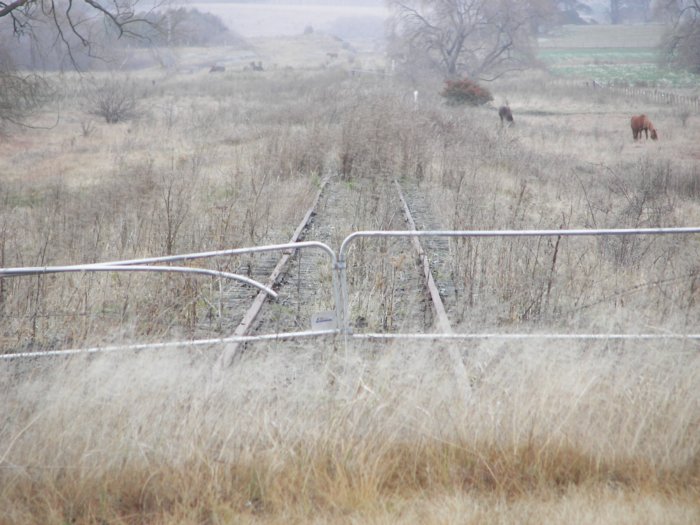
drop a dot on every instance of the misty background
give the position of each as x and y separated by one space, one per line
362 19
348 19
360 23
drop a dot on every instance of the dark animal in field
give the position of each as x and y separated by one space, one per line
505 113
217 69
641 123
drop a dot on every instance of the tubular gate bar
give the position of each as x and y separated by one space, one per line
15 272
340 289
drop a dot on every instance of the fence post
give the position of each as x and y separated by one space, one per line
340 276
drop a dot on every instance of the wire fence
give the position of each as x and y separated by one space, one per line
690 102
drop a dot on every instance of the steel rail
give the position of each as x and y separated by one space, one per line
246 323
40 270
443 322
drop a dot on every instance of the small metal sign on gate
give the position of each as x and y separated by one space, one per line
324 321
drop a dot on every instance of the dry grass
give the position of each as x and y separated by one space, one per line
543 433
547 434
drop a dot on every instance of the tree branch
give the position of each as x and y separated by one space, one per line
6 9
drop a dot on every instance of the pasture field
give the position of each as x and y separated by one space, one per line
612 54
579 432
617 66
593 36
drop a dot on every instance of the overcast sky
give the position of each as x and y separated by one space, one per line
290 17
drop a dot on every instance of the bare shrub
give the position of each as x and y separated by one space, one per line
21 96
170 112
684 114
647 192
383 137
87 127
291 152
176 190
687 182
114 100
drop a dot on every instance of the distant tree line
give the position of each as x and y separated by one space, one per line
79 38
617 11
181 27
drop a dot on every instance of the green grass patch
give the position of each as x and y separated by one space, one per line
599 55
633 66
632 74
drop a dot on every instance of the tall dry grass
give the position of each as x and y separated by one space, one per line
541 434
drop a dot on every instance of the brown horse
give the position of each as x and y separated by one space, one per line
505 114
642 123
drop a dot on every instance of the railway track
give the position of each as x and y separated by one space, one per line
388 295
403 285
393 286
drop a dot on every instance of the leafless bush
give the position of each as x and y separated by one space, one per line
170 114
21 96
87 127
684 114
383 137
176 191
687 182
292 151
114 99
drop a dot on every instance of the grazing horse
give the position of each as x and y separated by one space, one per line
642 123
505 114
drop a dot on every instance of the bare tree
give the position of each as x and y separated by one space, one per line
570 11
615 11
629 10
481 38
74 21
20 94
76 27
681 43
